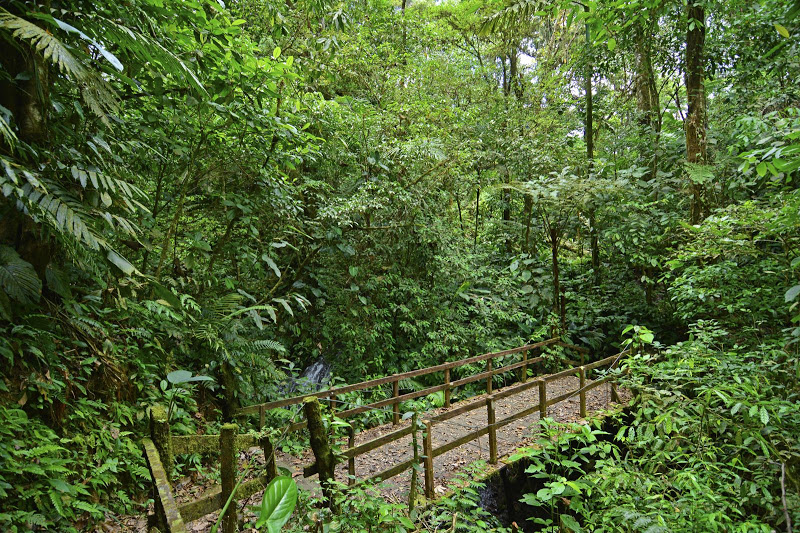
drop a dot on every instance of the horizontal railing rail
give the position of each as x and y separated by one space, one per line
492 425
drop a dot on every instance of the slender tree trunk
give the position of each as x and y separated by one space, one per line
477 207
696 142
554 241
528 216
647 96
589 139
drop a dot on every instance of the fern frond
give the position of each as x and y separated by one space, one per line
18 278
95 91
266 344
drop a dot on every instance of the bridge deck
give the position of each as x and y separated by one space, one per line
449 464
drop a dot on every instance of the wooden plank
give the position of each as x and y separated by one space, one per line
166 499
370 445
252 409
606 361
391 472
208 443
209 502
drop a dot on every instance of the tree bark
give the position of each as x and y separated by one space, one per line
589 139
696 142
647 100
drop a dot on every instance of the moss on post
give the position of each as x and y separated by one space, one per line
227 451
162 437
326 462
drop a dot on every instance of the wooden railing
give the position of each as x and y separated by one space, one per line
161 447
396 399
492 425
160 450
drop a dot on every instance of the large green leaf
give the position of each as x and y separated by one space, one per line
278 504
18 278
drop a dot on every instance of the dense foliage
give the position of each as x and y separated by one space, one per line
237 188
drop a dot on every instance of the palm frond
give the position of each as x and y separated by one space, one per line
95 91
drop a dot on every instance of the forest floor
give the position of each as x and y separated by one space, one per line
447 466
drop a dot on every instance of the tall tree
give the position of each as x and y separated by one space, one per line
695 126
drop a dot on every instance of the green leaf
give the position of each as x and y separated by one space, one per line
18 278
792 293
176 377
764 415
268 260
782 30
278 504
276 53
571 523
612 43
121 263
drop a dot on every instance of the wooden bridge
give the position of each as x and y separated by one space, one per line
475 417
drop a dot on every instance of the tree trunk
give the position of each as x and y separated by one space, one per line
528 216
477 207
647 96
554 240
589 139
696 143
27 91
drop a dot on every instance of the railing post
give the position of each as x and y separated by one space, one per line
489 379
542 399
396 405
582 385
524 374
447 387
162 438
227 452
412 493
326 462
492 430
427 449
351 462
269 458
262 417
